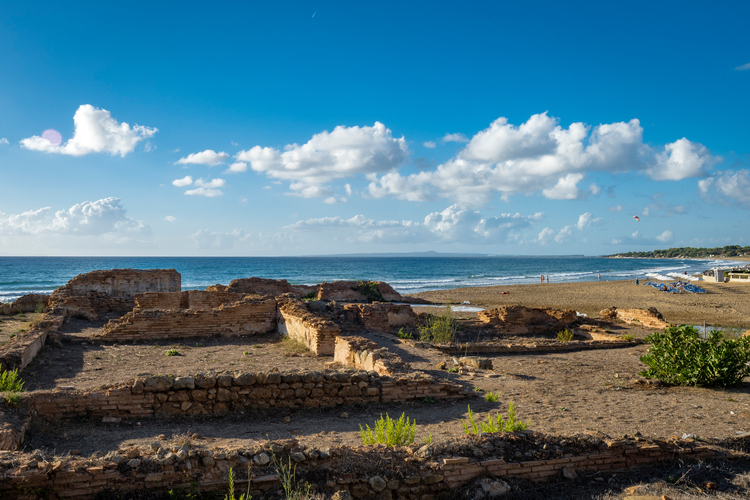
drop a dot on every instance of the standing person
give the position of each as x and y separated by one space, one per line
599 276
548 278
542 278
636 281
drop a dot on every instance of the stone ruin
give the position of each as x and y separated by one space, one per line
147 305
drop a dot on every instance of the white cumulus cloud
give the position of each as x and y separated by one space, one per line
239 166
95 132
170 218
429 144
185 181
727 186
327 156
207 188
540 155
207 157
3 140
665 236
454 138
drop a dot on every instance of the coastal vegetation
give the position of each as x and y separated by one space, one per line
689 253
679 356
440 329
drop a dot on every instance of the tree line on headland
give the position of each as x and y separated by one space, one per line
689 253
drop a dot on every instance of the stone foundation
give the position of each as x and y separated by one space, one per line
427 472
520 320
212 394
248 316
264 286
380 317
650 318
316 333
31 302
363 354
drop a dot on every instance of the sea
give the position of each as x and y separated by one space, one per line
23 275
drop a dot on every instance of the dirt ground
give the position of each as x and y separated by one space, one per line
11 326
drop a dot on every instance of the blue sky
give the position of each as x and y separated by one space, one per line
302 128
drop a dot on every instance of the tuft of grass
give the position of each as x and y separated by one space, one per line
198 344
389 431
428 399
453 369
403 335
173 352
12 398
478 389
293 347
491 398
230 495
9 381
39 307
496 425
440 329
564 335
287 473
428 439
627 337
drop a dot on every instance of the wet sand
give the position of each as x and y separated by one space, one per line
724 304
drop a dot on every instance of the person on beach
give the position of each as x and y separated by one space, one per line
542 278
599 276
636 281
548 278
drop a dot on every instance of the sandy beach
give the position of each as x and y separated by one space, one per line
724 304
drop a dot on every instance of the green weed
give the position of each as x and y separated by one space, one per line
389 432
564 335
9 381
496 425
287 473
440 329
230 495
491 398
12 398
403 335
173 352
370 290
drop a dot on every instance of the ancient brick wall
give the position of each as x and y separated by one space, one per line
248 316
363 354
296 321
650 318
161 300
113 290
20 350
265 286
380 317
530 347
520 320
414 473
211 394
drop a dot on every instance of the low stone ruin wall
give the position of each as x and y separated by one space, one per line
363 354
349 291
520 320
113 290
248 316
31 302
650 318
316 333
198 300
380 317
414 472
22 349
211 394
264 286
531 347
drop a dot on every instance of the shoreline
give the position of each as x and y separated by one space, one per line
723 304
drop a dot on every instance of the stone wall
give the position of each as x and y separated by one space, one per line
520 320
161 300
316 333
650 318
20 350
348 291
531 347
28 303
264 286
113 290
363 354
380 317
248 316
212 394
414 472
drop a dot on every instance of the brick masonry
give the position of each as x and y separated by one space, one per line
295 320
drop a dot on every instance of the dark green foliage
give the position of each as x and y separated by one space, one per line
678 356
370 290
440 329
689 252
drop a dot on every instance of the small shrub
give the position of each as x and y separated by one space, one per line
627 337
310 296
389 432
428 439
564 335
453 369
491 398
173 352
403 335
12 398
496 425
478 389
293 347
428 399
230 495
678 356
198 344
9 381
440 329
39 307
370 290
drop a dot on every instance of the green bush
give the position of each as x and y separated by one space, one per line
497 425
173 352
390 432
439 329
491 398
9 381
230 495
564 335
370 290
403 335
678 356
